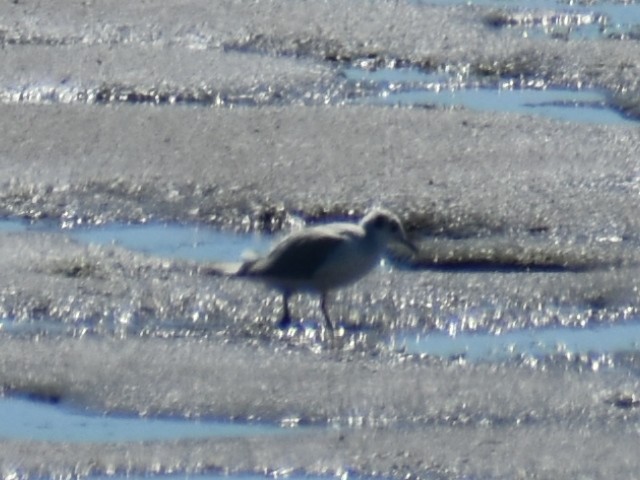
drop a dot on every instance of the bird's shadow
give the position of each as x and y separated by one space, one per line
309 325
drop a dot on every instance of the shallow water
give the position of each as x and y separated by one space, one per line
222 476
107 330
207 244
24 419
411 87
397 86
188 242
177 241
13 225
537 343
601 19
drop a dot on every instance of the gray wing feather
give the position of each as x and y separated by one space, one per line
296 257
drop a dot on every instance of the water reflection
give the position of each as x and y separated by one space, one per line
484 346
23 419
412 87
176 241
602 19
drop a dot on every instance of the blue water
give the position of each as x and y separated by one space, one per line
209 244
484 346
23 419
199 243
412 87
285 474
9 225
618 14
169 240
570 105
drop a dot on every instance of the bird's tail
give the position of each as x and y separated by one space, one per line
222 269
227 269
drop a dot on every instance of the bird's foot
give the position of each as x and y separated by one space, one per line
285 322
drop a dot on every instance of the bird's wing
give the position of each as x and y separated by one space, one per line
299 256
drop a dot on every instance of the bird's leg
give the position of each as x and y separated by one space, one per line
285 320
323 307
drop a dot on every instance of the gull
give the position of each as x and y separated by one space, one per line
322 258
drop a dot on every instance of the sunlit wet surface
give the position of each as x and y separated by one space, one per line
411 87
13 225
537 343
24 419
168 240
563 19
199 243
221 476
204 244
537 261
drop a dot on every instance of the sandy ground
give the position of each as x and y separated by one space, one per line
218 165
455 173
390 416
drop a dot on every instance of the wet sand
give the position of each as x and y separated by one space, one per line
439 169
128 333
389 416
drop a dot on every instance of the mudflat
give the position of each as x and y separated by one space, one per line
239 116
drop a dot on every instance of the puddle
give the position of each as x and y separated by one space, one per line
176 241
411 87
538 343
563 19
284 475
32 326
187 242
200 243
23 419
9 225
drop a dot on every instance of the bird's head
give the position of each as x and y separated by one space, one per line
385 227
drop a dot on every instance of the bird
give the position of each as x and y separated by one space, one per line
321 258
